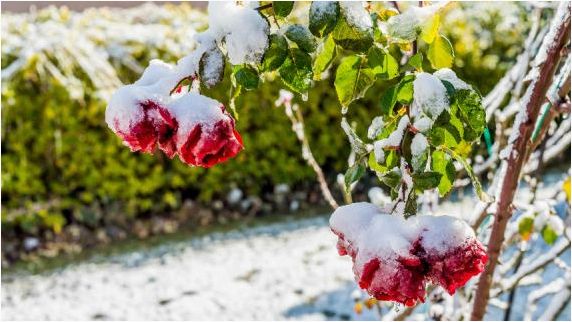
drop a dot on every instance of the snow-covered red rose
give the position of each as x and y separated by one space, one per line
206 134
148 114
395 258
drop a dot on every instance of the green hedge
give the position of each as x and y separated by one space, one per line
61 164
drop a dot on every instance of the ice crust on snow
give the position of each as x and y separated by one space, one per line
356 14
448 75
429 96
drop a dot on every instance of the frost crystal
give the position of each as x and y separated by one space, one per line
429 96
394 258
448 75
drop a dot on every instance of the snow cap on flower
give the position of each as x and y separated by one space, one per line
206 134
395 257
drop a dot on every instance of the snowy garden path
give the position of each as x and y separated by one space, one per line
278 271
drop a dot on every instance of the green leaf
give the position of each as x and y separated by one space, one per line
471 112
323 17
211 67
525 227
382 63
481 194
430 29
282 8
388 100
405 90
276 53
410 205
426 180
354 173
353 78
245 76
440 53
296 72
549 235
302 37
324 57
392 179
450 89
352 37
441 163
416 61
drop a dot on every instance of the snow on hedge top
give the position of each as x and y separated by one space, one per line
244 30
446 74
429 96
356 14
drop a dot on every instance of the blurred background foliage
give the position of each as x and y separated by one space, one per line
62 165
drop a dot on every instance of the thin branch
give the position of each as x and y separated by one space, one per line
295 115
266 6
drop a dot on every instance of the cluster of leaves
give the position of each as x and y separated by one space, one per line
368 39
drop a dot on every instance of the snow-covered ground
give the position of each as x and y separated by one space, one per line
279 271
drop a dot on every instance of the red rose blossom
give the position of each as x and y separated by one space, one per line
144 124
394 258
206 134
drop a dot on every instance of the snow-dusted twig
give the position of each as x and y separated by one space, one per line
295 115
557 303
545 65
555 286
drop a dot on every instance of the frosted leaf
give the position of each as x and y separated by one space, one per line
429 96
244 30
419 145
211 67
375 128
356 14
394 139
423 124
356 143
448 75
406 26
378 151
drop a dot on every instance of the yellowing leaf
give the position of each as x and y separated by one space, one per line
440 53
430 29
